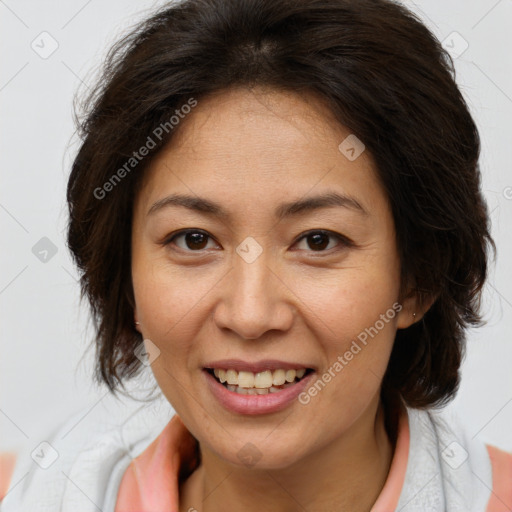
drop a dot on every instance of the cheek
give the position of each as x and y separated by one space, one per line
167 306
168 296
348 301
355 316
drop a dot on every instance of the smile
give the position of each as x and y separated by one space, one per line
258 383
245 397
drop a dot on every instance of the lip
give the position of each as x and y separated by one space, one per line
255 367
256 404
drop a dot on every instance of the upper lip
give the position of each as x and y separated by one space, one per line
255 366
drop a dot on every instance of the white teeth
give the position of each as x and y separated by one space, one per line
256 391
263 379
232 377
290 375
279 377
246 379
260 382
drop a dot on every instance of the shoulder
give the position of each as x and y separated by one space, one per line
501 496
7 462
83 459
466 473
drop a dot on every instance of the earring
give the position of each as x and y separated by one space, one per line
414 317
137 323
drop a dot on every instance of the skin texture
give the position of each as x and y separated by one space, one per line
250 151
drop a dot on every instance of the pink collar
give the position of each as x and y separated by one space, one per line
151 481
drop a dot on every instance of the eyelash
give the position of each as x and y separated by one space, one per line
344 241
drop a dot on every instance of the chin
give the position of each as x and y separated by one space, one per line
254 455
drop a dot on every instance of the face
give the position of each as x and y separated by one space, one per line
264 280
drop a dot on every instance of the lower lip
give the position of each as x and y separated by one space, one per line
256 404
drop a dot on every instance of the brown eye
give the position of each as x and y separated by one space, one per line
319 241
193 240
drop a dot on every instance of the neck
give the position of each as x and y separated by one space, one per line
346 475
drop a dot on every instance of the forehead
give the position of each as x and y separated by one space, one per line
240 144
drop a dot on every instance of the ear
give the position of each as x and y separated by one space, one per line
136 320
414 306
131 300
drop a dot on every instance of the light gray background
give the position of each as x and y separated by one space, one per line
45 370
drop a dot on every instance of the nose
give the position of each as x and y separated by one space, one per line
255 299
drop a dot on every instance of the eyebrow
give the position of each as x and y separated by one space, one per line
285 210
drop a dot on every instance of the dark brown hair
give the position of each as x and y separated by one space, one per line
383 75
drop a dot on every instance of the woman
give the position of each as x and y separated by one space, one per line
277 206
